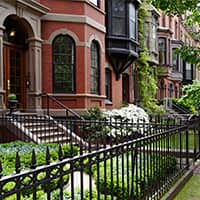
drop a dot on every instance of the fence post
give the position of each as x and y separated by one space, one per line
48 112
187 149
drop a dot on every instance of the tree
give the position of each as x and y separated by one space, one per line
179 7
191 94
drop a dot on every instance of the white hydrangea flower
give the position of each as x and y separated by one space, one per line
132 113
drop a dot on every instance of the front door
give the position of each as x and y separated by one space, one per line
15 74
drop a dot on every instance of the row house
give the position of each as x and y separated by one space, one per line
173 70
79 52
83 52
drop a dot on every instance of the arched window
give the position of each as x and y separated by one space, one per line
63 64
94 68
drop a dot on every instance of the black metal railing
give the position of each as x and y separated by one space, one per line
68 111
180 108
122 161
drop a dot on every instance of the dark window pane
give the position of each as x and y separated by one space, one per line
118 17
162 50
118 27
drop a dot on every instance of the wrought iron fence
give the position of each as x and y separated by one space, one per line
116 160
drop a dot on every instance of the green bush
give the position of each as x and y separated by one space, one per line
160 168
8 157
187 106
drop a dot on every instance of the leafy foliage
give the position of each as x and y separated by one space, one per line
7 157
192 94
182 103
175 6
178 7
146 73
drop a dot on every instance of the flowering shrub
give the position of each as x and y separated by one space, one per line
130 113
127 121
119 124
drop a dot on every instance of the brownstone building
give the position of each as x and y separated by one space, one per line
77 51
173 70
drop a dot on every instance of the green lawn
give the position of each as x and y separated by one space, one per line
191 189
175 141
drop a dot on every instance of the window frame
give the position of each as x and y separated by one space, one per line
132 21
117 17
95 68
71 66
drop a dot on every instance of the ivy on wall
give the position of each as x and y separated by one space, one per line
147 75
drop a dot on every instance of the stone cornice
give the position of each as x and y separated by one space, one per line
33 5
74 19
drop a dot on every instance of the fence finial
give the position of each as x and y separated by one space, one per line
60 153
33 163
17 163
47 156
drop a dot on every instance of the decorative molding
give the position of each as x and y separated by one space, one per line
64 31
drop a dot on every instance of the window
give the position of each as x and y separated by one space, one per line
95 2
154 34
176 30
170 22
95 68
108 86
176 92
188 71
175 59
118 17
63 64
163 21
132 21
162 50
170 90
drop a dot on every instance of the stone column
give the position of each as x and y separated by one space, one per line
34 74
2 92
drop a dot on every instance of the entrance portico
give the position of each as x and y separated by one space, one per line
20 53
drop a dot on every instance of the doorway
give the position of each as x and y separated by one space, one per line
15 73
125 88
14 49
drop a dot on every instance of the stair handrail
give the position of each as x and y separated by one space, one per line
67 110
180 108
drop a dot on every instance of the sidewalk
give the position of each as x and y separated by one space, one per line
191 191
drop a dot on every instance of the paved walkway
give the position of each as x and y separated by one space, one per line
197 168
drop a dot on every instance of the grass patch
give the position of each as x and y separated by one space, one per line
191 189
177 141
